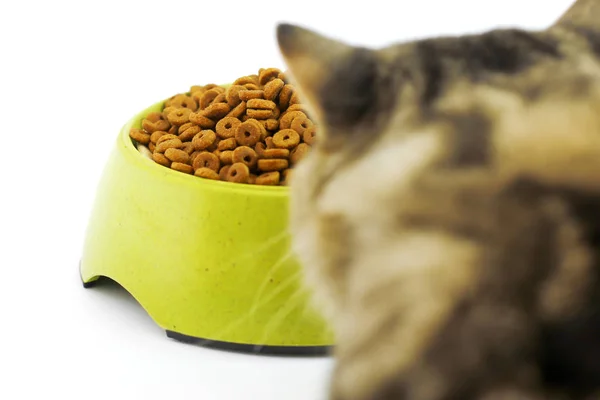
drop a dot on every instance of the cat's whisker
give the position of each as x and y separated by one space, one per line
268 276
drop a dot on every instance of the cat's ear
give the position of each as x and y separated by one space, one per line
583 14
337 80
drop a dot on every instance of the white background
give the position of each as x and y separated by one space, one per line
71 74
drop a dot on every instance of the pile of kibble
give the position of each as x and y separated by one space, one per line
254 131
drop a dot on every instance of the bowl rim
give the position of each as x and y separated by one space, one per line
134 156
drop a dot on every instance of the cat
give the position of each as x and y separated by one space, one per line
448 217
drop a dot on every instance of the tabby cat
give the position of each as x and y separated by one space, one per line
448 219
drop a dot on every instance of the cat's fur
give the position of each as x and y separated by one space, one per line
449 215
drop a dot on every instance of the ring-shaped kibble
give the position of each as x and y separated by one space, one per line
286 119
261 104
177 155
181 167
273 88
151 147
206 160
260 149
246 95
244 80
215 146
251 86
276 113
286 139
220 99
259 114
267 75
227 144
227 126
160 158
308 136
155 116
179 116
202 121
188 147
299 153
275 153
273 164
163 145
197 88
238 110
173 130
268 179
208 97
183 101
139 135
245 155
204 139
285 95
232 95
216 111
301 124
207 173
249 133
212 86
151 127
167 136
226 157
189 133
238 173
166 111
298 107
272 124
269 142
182 128
295 99
223 172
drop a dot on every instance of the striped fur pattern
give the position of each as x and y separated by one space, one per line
448 218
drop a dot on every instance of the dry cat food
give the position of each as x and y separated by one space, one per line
253 131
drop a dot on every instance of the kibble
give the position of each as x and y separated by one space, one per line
253 132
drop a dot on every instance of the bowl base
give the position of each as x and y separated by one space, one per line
303 351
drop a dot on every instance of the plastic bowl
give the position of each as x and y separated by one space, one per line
208 260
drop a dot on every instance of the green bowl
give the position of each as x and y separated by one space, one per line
208 260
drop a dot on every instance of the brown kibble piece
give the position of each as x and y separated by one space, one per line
189 133
207 173
269 142
232 95
286 119
204 139
216 111
244 80
260 149
238 173
301 124
259 114
173 130
226 157
201 120
227 127
286 139
249 133
238 110
267 75
181 167
285 95
182 101
161 159
275 164
166 136
261 104
208 97
177 155
273 88
309 135
299 153
155 122
223 172
246 95
268 179
252 179
245 155
272 124
276 153
206 160
151 147
227 144
188 147
179 116
139 136
163 145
